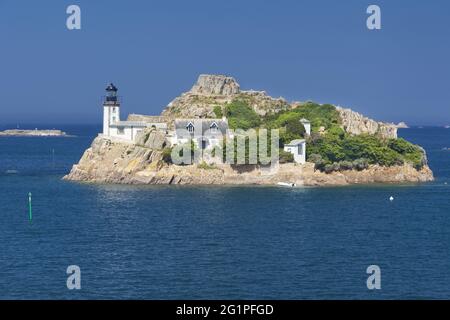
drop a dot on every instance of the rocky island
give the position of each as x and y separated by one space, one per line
32 133
319 144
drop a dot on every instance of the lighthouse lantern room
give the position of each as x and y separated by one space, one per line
111 108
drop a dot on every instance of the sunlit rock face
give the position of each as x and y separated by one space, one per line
215 85
355 123
217 90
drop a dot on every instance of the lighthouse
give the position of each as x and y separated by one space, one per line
111 108
125 131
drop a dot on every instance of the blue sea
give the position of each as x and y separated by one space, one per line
185 242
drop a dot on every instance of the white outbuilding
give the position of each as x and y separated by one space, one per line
298 148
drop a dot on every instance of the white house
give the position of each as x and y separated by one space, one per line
114 127
298 149
206 133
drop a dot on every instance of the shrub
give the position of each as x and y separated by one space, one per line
329 168
319 163
205 166
291 127
241 116
402 146
167 155
360 164
345 165
286 157
218 111
319 115
411 153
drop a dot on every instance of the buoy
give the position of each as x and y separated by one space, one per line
29 204
391 198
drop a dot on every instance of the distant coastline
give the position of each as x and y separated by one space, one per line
32 133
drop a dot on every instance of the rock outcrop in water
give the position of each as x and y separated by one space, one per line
109 161
114 161
33 133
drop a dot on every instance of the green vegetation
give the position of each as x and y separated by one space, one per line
286 157
329 147
218 111
241 116
336 151
205 166
167 155
242 142
324 115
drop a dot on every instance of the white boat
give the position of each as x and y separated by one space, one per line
286 184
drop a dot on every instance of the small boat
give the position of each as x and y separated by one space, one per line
286 184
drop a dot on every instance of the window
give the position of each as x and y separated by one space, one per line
120 130
113 119
300 149
190 127
213 127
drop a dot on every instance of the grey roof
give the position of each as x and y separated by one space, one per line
295 142
204 124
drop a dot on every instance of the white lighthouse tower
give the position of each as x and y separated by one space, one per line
111 109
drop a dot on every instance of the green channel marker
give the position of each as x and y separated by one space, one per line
29 204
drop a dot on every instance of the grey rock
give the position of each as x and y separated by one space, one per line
355 123
215 85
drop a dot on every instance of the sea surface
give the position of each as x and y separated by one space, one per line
185 242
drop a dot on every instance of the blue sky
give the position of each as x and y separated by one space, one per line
154 50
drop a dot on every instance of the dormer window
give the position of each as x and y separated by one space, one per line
190 127
213 127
